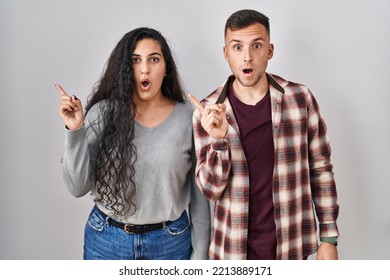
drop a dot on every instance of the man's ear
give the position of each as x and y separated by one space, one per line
224 53
270 50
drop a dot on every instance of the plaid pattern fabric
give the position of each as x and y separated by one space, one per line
303 182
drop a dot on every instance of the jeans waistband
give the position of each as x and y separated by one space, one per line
132 228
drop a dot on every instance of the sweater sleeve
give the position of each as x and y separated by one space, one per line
200 217
80 156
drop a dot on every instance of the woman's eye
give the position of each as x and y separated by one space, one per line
135 60
154 59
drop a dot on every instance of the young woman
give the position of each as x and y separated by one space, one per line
133 152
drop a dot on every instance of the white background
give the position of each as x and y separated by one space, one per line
339 49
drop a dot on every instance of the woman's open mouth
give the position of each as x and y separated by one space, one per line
145 85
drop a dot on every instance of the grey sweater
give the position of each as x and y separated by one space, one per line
164 172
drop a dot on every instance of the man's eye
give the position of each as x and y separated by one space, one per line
257 46
237 47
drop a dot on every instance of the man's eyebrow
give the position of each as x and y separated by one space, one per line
259 39
234 41
254 40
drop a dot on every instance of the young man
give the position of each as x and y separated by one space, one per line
263 156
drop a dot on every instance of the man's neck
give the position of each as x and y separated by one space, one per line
251 95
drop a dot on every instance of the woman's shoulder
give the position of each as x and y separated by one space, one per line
98 106
95 112
182 113
185 108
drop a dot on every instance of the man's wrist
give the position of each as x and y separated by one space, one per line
333 240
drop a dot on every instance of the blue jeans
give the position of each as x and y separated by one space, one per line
107 242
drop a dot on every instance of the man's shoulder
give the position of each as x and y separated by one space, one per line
212 97
290 89
284 83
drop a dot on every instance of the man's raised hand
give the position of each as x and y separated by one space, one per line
213 119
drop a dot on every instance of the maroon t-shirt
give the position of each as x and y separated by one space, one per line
255 123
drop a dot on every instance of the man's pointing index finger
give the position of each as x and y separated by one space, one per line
196 103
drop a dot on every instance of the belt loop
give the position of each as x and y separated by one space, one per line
104 216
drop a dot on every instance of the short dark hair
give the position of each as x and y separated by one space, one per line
244 18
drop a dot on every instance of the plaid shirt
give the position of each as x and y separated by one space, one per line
303 182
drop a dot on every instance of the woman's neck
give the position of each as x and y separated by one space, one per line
152 113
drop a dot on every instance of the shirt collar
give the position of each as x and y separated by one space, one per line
231 79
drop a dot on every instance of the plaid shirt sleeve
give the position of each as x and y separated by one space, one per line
213 164
321 171
221 175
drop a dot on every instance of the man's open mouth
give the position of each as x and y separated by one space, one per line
248 71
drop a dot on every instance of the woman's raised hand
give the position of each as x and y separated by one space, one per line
71 110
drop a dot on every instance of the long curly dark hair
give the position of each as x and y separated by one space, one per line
115 164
